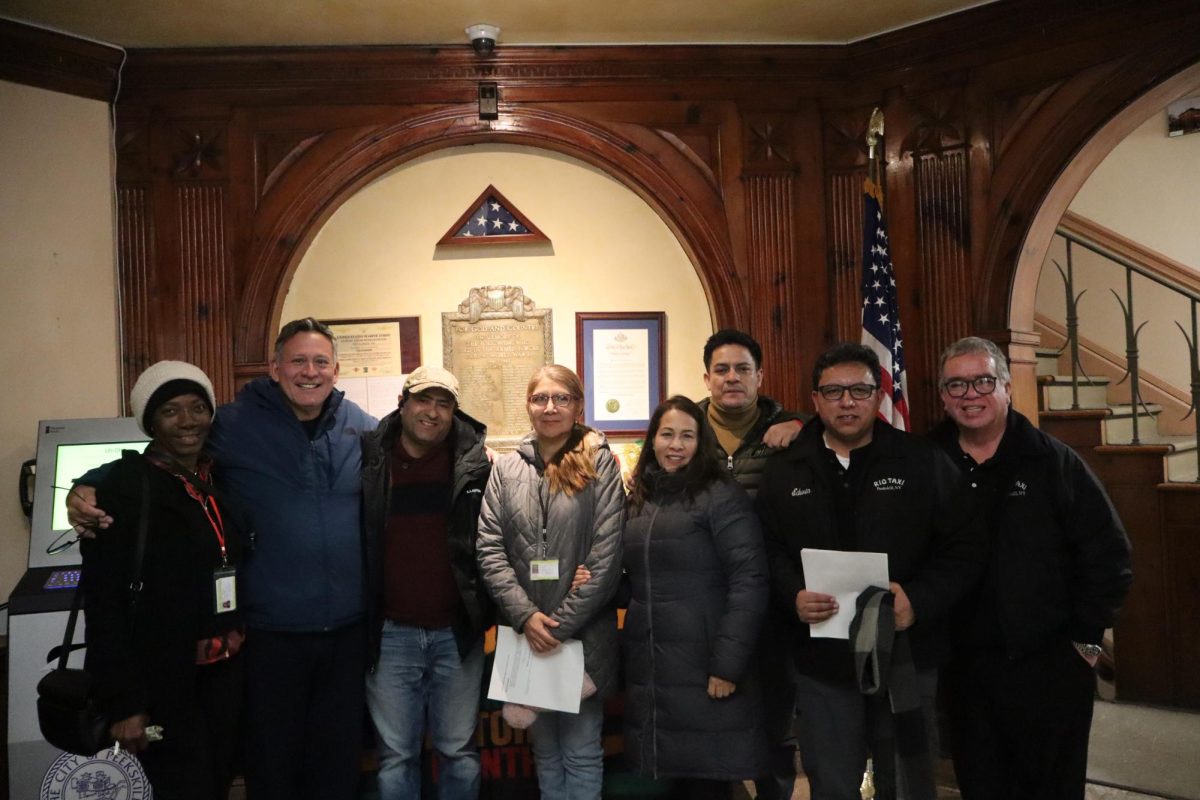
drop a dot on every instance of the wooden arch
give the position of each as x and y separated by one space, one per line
341 162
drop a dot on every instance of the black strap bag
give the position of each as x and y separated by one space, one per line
67 714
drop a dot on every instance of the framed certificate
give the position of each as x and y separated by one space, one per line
621 358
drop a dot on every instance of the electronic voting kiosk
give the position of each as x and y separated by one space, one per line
37 616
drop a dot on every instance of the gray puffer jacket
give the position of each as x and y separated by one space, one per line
584 528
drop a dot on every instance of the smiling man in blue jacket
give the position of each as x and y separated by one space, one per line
288 451
288 448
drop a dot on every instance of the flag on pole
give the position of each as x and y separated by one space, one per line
880 311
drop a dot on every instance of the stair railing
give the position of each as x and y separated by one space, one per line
1131 331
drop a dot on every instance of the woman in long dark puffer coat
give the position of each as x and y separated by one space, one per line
694 555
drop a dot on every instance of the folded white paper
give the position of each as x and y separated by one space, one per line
845 576
551 680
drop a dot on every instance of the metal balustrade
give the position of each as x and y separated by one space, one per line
1132 331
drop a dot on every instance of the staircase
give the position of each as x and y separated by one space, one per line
1098 392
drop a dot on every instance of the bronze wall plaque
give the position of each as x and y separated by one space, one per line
493 343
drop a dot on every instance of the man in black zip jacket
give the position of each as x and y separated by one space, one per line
748 427
851 482
424 471
1026 642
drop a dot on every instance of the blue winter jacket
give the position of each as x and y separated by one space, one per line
303 501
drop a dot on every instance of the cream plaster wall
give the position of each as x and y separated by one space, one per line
1148 189
376 256
58 322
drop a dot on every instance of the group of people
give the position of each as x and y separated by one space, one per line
294 547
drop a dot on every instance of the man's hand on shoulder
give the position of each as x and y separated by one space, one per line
82 512
781 434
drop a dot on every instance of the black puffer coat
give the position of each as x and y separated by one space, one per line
699 591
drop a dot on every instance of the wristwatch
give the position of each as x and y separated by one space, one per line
1088 650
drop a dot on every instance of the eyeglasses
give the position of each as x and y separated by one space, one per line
560 400
859 391
957 387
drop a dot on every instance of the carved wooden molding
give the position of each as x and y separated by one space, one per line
978 36
775 316
274 152
204 282
845 137
199 153
135 265
769 143
844 198
942 276
938 122
55 61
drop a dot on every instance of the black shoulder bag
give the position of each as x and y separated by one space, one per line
67 714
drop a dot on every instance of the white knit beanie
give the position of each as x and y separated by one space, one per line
157 375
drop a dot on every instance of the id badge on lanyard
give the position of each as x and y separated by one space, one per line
225 589
543 569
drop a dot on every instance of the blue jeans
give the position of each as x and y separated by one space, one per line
420 678
568 754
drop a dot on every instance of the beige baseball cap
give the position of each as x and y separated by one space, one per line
423 378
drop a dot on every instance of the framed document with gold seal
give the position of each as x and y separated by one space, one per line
621 357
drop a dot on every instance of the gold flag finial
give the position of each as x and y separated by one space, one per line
867 790
874 131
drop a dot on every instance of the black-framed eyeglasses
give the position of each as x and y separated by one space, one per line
560 400
859 391
957 387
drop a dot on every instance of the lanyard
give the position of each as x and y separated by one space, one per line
212 512
207 502
544 501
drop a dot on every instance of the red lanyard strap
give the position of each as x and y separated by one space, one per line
211 511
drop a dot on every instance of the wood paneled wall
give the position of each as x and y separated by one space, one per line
230 161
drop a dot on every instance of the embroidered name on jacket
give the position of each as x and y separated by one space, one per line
801 492
888 484
1019 489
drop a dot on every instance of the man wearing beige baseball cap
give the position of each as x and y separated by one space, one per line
424 471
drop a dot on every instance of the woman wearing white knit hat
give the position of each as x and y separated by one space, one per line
165 658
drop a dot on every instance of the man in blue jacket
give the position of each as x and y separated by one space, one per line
288 451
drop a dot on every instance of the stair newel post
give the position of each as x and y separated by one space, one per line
1193 346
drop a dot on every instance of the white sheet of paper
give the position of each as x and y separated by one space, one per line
551 680
845 576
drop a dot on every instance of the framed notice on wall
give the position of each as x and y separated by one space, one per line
621 357
374 358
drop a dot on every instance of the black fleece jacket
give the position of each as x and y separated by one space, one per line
1059 562
470 475
902 503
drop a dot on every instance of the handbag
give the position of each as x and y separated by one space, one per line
68 715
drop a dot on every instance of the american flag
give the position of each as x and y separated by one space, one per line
881 312
491 219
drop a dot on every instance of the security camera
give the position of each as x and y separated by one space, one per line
483 37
